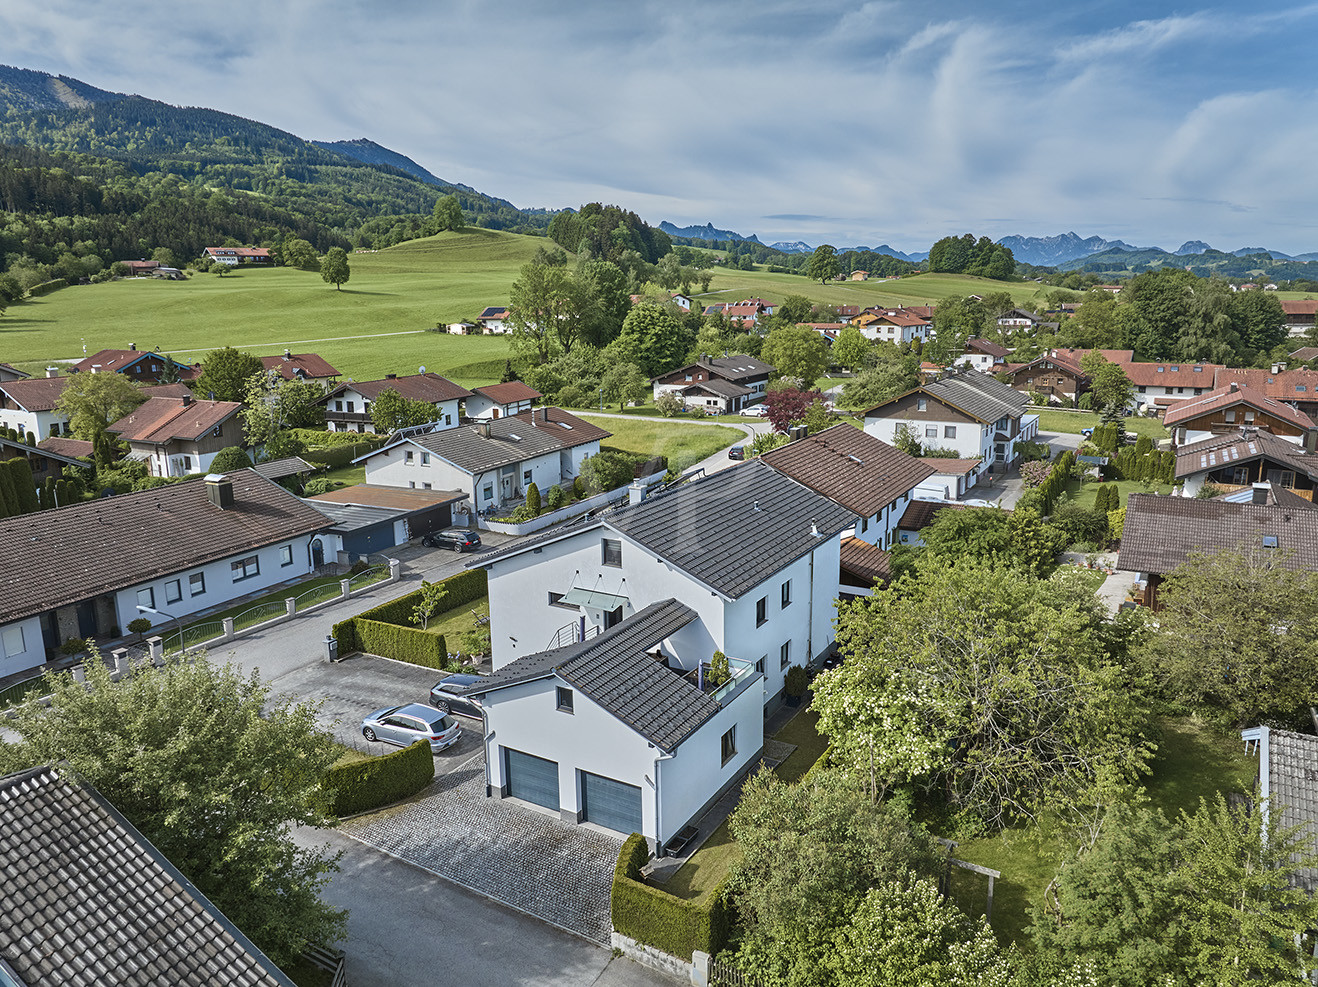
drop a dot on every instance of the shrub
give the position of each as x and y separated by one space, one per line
578 488
659 919
229 459
533 499
1208 491
73 646
574 396
523 512
46 287
380 781
606 471
139 625
796 680
556 498
318 485
667 404
1081 524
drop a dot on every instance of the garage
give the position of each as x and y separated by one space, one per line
532 778
611 804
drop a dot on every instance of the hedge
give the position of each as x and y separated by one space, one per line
462 588
388 630
379 781
341 455
46 287
659 919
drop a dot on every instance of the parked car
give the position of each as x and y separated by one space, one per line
1088 433
405 725
754 411
458 539
736 452
444 696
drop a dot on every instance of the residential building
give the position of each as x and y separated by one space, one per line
492 462
625 730
860 275
45 462
1019 318
972 414
142 268
1057 377
1237 460
983 355
1305 354
177 549
72 448
853 469
348 406
893 326
366 518
300 366
234 256
1227 409
1299 315
918 516
862 567
87 901
681 301
1288 788
1161 533
178 436
8 373
29 406
494 321
1160 386
1297 388
744 371
754 553
144 367
952 478
501 400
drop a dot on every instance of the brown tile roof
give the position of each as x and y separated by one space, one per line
903 319
921 513
986 347
925 312
111 543
1300 384
864 563
1300 306
35 394
165 419
238 251
167 391
1305 353
1224 450
400 498
850 467
6 368
66 447
86 901
953 467
1161 532
1227 398
300 365
509 393
116 360
1171 374
417 387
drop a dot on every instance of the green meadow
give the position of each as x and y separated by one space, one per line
921 289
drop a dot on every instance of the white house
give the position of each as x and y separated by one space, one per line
972 414
894 327
492 462
1018 317
745 372
494 321
753 552
502 400
982 355
29 406
173 550
622 730
348 406
178 436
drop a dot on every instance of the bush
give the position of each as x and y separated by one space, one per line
667 404
139 625
574 396
522 513
659 919
318 485
46 287
365 785
533 499
229 459
556 498
796 680
1081 524
578 488
73 646
606 471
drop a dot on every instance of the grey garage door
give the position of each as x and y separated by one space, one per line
532 778
610 803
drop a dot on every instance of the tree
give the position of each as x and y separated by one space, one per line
334 268
1238 632
823 266
652 338
391 411
851 348
796 352
606 300
1259 319
273 405
816 417
986 684
225 373
448 214
895 373
533 499
300 254
432 595
1016 538
625 383
229 459
545 311
1107 380
94 401
164 256
787 406
213 771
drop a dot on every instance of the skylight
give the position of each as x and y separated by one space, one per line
1269 541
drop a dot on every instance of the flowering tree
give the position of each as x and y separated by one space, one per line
787 406
1035 473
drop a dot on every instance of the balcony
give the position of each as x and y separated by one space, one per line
740 669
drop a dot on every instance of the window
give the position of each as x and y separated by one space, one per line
448 419
931 431
1249 416
921 404
761 610
411 484
554 601
146 597
338 405
785 654
352 406
1269 541
564 699
728 745
1240 476
1230 417
245 568
759 665
487 492
526 476
173 591
864 525
612 552
285 555
187 464
786 593
408 458
197 584
11 641
426 486
425 459
949 431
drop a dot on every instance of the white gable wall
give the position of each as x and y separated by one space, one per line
21 646
972 440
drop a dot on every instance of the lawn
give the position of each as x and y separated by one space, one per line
456 622
1076 421
1084 494
684 444
393 297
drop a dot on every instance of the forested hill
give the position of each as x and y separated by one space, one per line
25 89
363 149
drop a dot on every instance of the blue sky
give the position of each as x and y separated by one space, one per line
887 121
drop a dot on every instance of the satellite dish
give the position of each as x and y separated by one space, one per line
420 370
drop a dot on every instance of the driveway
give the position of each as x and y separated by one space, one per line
518 855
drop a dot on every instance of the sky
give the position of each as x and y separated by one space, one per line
890 121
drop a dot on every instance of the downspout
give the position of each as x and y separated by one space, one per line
810 616
486 737
659 803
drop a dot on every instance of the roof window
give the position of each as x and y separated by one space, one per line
1269 541
1198 370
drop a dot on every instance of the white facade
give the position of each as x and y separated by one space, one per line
482 407
160 463
525 621
881 529
354 402
674 788
970 439
42 424
982 362
21 646
889 332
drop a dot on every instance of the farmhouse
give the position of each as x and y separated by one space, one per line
1299 315
745 372
983 355
1227 409
494 321
348 406
893 326
233 256
178 436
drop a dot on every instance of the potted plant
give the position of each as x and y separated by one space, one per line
794 685
719 672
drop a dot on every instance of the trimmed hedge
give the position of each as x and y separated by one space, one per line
46 287
379 781
387 630
662 920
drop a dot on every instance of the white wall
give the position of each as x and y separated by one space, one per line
972 439
219 585
883 523
21 646
42 424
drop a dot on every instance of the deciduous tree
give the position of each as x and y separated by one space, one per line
390 411
225 373
652 338
798 353
851 348
334 268
273 405
448 214
1107 380
624 383
786 406
823 266
93 401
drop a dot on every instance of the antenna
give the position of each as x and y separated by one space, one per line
420 370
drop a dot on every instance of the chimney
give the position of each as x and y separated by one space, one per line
814 528
219 490
390 376
1262 491
635 492
483 430
1278 367
544 415
52 371
1235 386
288 354
1311 440
187 400
133 347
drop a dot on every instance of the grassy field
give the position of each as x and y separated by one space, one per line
683 444
406 289
922 289
1085 494
1076 421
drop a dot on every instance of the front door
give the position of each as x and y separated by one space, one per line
86 619
317 554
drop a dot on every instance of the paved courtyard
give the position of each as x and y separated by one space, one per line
526 859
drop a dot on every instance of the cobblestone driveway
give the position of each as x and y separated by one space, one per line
515 855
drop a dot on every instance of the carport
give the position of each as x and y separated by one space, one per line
371 518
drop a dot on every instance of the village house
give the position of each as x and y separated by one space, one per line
8 373
749 376
45 463
178 436
1299 315
494 321
234 256
1297 388
348 406
300 366
492 462
1018 318
29 406
144 367
894 326
501 400
1237 460
1227 409
164 554
983 355
860 275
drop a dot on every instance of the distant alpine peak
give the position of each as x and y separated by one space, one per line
1049 251
795 247
706 232
1192 247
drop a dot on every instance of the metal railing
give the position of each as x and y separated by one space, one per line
317 594
368 577
259 614
571 634
192 635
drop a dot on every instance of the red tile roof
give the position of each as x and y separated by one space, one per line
300 365
1226 398
951 467
1302 306
509 393
163 419
1286 385
864 563
418 387
1171 374
36 393
986 347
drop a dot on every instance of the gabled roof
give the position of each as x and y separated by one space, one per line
1228 397
1300 306
160 420
718 386
512 439
18 374
850 467
64 446
920 514
431 388
995 350
278 469
111 543
1242 447
902 319
1171 374
1019 313
864 563
118 360
299 366
86 901
1299 385
36 393
1075 354
494 312
978 395
737 367
615 670
9 449
1288 777
509 392
1305 353
1160 532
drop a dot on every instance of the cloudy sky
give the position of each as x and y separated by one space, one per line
846 122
